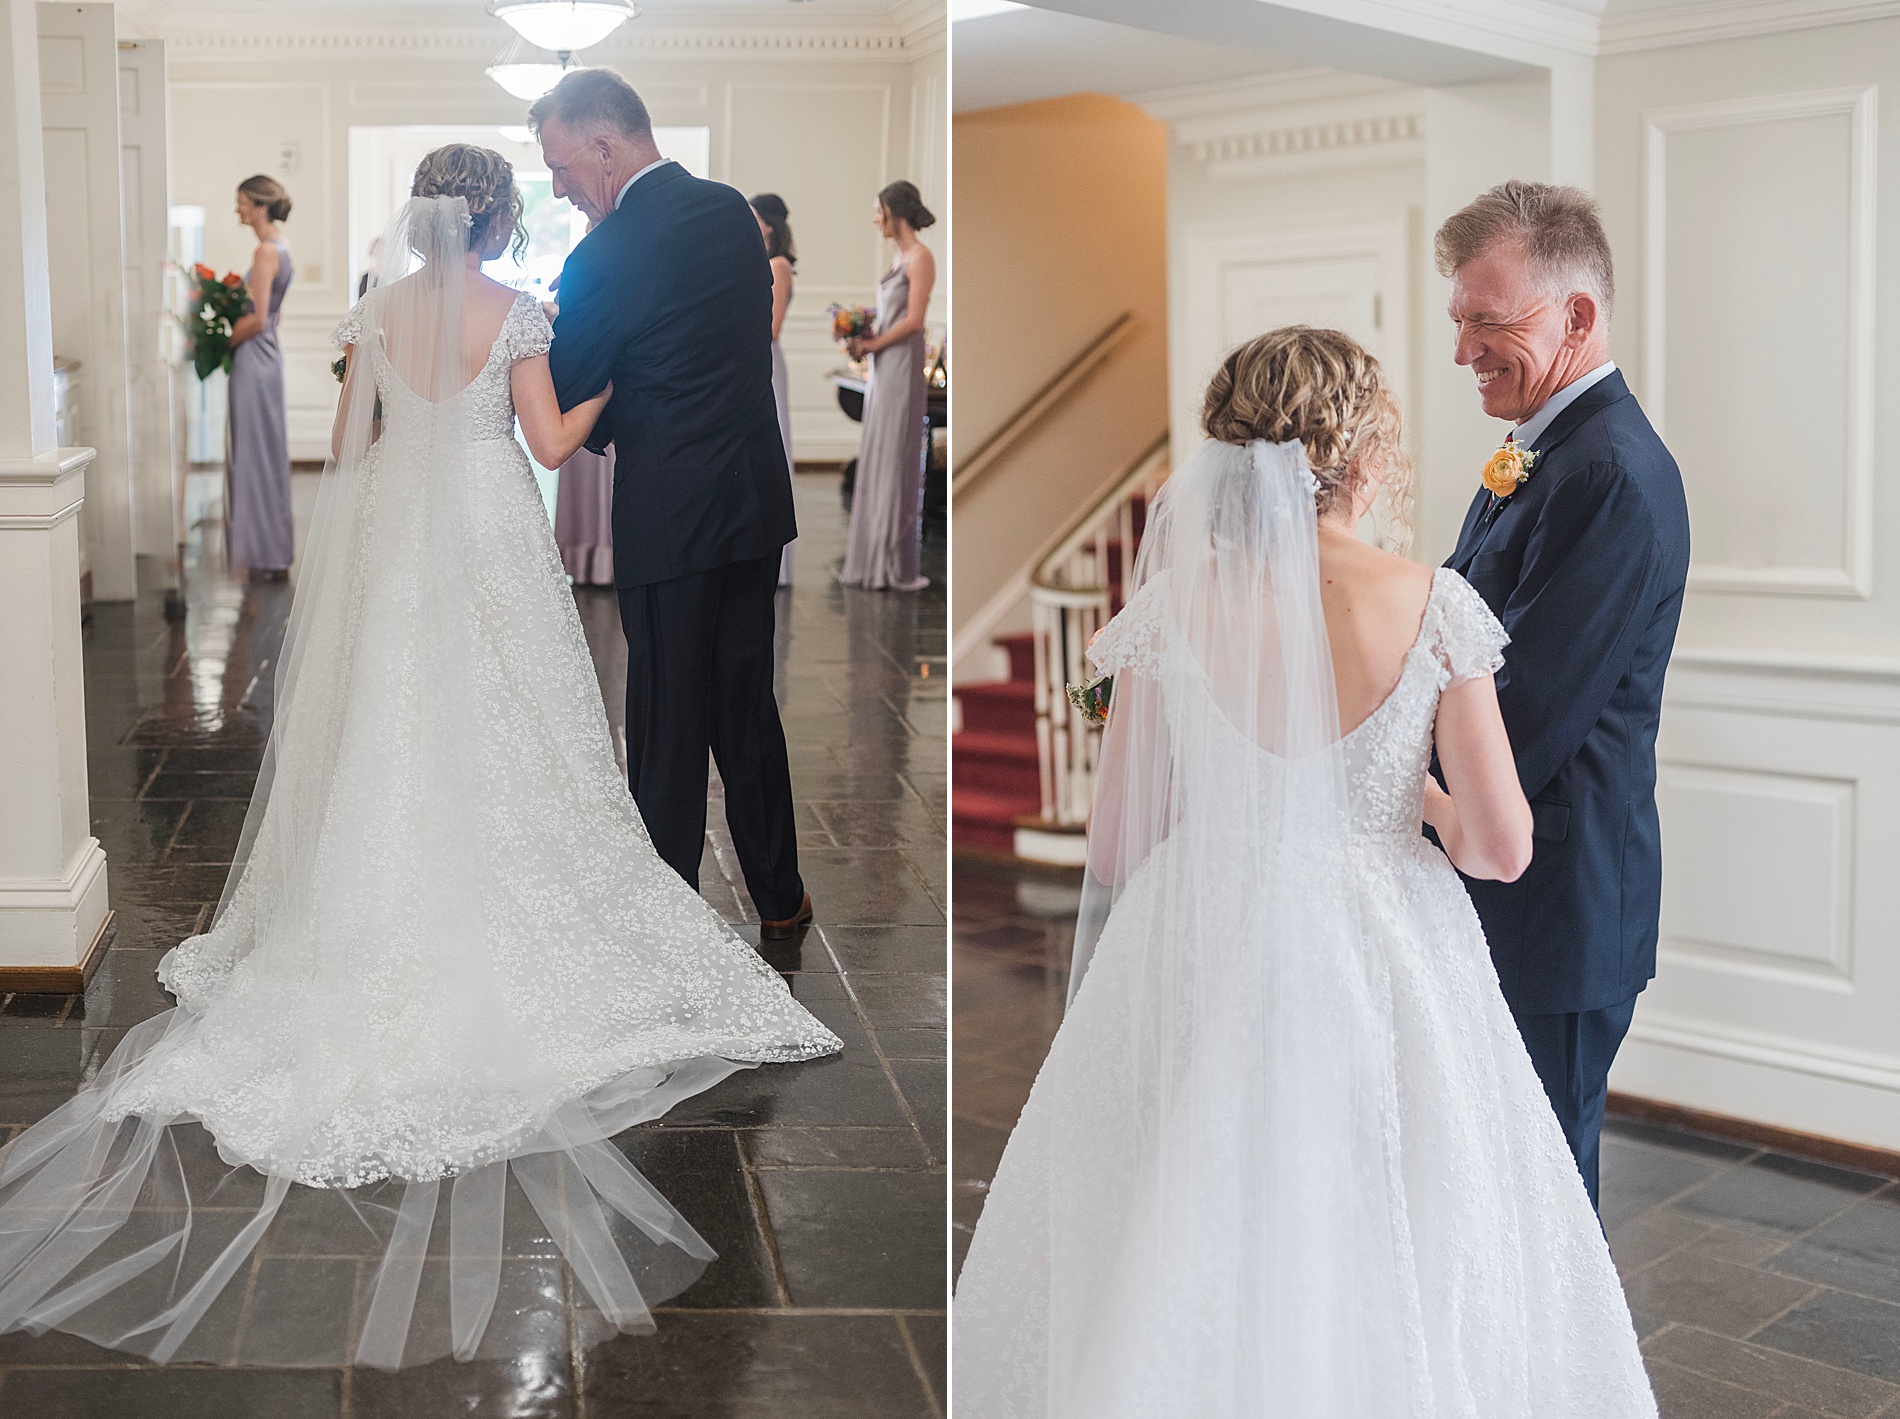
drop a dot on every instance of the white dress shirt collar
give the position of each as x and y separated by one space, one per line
1532 429
622 196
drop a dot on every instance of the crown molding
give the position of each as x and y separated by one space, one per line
1569 29
924 25
1732 19
1260 152
1283 89
910 30
1299 120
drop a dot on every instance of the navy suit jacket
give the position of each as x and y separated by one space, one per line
670 298
1585 566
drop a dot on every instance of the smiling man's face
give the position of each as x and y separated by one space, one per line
1522 343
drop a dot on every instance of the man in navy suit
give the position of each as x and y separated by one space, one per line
669 299
1584 562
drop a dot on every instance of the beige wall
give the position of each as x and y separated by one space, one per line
1061 226
825 129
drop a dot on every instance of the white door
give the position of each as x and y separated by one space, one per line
1244 280
79 94
1264 295
145 179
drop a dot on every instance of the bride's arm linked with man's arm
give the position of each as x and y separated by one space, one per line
1481 816
553 436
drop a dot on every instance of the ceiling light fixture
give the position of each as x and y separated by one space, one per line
525 71
564 25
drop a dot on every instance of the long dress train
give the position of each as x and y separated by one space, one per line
449 969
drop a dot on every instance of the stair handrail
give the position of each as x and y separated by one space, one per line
1071 596
979 462
1068 539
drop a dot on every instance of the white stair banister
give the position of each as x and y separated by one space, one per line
1074 589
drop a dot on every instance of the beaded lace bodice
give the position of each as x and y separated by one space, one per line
1389 752
488 401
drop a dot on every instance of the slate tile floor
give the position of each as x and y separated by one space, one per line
822 1185
1763 1286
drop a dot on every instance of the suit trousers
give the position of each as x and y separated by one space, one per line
1572 1055
699 678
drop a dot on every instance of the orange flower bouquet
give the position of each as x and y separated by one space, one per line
217 303
851 322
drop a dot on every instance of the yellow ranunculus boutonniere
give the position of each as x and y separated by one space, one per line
1508 468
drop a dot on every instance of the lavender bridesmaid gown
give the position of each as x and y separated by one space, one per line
887 509
781 395
262 535
584 517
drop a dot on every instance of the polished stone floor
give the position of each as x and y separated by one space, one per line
821 1185
1763 1286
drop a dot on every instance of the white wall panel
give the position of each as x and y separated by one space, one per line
1777 996
1758 325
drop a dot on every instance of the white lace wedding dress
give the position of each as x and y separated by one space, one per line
1287 1156
449 952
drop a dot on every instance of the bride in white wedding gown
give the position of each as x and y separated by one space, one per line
449 966
1287 1157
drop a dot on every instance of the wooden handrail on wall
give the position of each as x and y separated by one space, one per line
1137 476
973 467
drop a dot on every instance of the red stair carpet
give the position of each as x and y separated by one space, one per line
994 778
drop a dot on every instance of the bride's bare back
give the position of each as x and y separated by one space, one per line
1374 604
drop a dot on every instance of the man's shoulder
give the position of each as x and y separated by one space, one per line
1614 455
1612 442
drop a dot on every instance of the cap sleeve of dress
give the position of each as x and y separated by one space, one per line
1469 641
349 330
529 333
1135 639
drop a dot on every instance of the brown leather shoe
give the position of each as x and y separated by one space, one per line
785 930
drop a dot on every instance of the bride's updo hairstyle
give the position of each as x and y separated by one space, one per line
483 179
1322 388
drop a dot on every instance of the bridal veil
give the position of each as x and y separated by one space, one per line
1225 1248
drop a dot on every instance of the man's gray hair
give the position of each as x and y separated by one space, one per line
1558 228
587 100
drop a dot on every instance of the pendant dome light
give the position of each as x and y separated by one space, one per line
525 71
564 25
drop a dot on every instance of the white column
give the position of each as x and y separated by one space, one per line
145 175
52 870
79 91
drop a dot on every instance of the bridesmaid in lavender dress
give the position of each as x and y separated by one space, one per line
772 214
584 517
262 535
887 508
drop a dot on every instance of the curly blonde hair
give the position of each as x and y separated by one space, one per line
484 179
1322 388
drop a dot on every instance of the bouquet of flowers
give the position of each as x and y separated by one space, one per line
218 302
851 322
1091 699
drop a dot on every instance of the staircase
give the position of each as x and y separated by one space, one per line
995 777
1024 760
